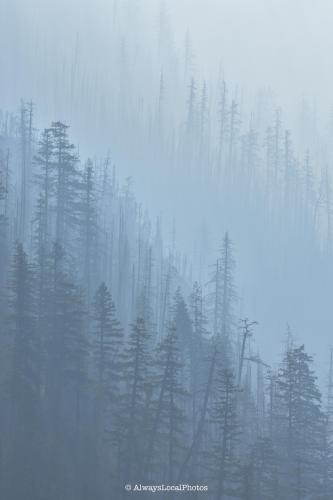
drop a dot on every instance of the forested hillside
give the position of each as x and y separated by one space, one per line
115 367
166 250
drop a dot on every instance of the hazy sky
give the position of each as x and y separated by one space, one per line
282 44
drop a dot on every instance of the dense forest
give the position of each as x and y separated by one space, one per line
115 368
165 307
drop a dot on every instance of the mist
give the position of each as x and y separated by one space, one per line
172 161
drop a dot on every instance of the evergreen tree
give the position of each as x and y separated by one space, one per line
4 187
67 183
44 160
167 433
88 225
199 350
223 456
228 294
135 403
66 368
301 424
108 342
223 295
24 384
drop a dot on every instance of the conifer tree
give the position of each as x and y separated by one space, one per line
67 182
44 160
301 424
135 402
88 225
24 383
168 417
228 294
223 456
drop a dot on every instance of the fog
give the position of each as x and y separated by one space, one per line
63 55
199 164
277 44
